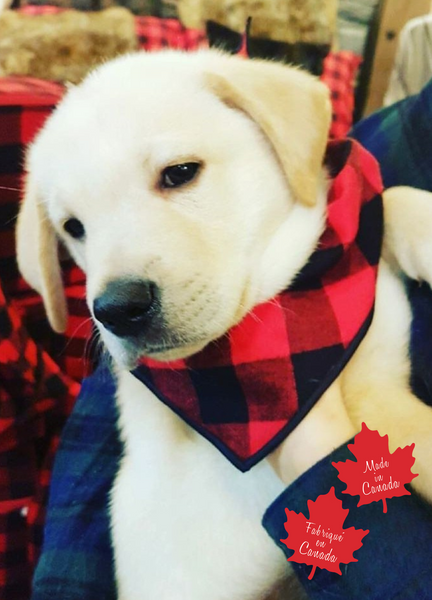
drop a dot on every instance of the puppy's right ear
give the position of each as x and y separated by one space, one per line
37 254
291 107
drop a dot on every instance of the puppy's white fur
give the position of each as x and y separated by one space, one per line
186 524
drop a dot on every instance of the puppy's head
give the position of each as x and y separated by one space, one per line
187 188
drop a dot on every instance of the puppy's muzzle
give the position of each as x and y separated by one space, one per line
127 306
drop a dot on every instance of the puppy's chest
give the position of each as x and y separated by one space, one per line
186 524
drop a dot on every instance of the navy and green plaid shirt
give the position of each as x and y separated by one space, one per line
76 562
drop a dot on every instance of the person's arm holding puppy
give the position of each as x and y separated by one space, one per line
393 562
325 428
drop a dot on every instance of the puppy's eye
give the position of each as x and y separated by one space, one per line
74 228
178 175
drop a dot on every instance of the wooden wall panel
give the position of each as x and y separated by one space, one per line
395 14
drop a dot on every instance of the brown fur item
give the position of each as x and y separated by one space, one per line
66 46
292 21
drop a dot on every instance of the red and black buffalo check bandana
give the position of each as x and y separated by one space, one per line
248 390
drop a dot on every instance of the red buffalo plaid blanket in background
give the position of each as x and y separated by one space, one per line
36 392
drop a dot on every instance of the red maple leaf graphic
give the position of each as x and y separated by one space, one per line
321 540
377 474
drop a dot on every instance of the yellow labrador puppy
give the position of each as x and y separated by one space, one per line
235 231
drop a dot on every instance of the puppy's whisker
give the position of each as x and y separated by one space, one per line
289 311
72 336
88 346
93 346
255 317
44 219
251 313
11 220
9 189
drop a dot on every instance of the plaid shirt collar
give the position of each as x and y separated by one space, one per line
248 390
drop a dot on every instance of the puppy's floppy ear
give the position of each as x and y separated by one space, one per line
290 106
38 261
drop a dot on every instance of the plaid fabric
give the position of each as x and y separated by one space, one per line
246 391
35 399
22 114
339 74
156 34
399 136
77 562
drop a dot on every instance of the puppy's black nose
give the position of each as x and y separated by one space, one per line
126 305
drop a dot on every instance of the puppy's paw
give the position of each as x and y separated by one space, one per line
408 231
